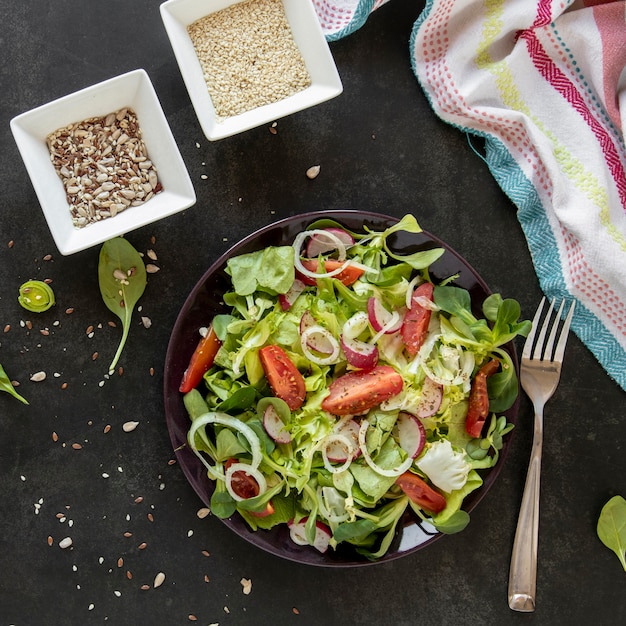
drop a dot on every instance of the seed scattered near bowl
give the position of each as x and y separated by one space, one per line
313 171
104 166
248 56
246 584
37 377
128 427
203 512
65 543
159 579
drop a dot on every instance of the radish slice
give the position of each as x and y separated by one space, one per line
391 473
315 336
247 469
297 533
432 394
411 434
274 425
287 299
381 319
360 354
327 240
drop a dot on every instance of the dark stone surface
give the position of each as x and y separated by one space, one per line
381 149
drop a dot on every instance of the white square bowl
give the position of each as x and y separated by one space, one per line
307 33
133 90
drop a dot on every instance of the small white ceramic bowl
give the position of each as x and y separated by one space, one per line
308 36
133 90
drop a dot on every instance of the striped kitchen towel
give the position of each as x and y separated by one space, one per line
544 83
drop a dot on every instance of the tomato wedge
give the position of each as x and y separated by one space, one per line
357 392
347 276
201 361
416 320
283 376
479 399
421 492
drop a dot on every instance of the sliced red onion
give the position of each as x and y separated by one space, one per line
359 354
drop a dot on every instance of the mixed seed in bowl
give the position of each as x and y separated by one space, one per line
248 56
104 166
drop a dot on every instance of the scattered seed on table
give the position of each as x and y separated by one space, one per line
146 321
151 254
203 512
89 330
159 579
206 578
7 328
120 562
112 324
64 386
65 543
94 356
246 585
142 545
50 540
45 332
129 574
107 428
313 172
128 534
145 587
295 611
206 553
69 310
55 437
151 268
47 257
11 243
128 427
28 324
37 377
192 617
76 446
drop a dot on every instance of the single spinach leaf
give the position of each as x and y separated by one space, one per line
6 385
612 527
122 278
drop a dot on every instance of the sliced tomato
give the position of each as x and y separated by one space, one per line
245 486
201 361
347 276
478 409
357 392
283 376
420 492
416 320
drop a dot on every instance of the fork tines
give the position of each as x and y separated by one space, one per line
548 353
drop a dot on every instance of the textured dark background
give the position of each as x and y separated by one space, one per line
381 149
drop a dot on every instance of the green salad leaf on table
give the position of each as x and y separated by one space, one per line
344 387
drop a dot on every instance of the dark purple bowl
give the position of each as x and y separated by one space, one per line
204 302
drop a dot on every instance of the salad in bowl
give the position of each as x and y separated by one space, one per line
343 385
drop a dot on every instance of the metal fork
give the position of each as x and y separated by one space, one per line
540 373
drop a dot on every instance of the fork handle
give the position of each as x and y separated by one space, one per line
523 571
